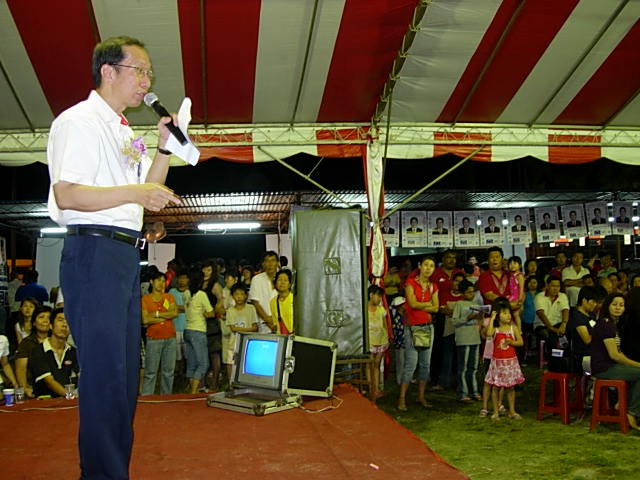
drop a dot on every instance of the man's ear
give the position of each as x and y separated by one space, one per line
107 71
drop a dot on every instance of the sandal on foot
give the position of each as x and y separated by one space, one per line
402 407
465 400
495 417
484 413
425 404
515 416
502 410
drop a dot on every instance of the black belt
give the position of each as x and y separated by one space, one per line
136 242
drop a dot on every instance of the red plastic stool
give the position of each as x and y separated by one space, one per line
602 411
562 404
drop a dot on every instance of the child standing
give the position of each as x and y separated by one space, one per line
516 280
242 317
467 318
504 371
528 314
378 333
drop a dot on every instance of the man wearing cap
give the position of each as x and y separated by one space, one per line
101 181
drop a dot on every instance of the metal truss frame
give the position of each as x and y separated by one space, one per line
358 134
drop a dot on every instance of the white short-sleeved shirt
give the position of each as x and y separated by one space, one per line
4 346
263 291
86 144
553 310
569 273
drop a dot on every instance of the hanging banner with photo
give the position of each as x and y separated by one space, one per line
547 225
414 228
573 221
518 228
622 218
440 232
598 219
491 229
465 228
390 226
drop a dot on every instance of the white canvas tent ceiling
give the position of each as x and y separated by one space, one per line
556 79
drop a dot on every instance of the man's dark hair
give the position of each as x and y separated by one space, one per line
270 253
155 275
517 217
464 285
588 293
416 219
109 52
466 218
231 272
30 276
238 286
551 278
495 249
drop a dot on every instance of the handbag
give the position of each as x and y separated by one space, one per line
421 336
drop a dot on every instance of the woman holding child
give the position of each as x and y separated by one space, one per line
422 301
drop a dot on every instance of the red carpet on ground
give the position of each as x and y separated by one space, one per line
182 439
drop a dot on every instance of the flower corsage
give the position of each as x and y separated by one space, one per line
133 150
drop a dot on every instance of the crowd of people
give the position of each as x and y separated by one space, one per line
189 317
579 316
444 317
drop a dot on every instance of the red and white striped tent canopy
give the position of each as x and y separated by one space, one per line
555 79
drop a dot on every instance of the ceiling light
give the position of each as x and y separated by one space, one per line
229 226
53 230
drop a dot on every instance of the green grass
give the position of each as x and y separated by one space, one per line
526 449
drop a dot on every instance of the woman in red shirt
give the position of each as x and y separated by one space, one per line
422 301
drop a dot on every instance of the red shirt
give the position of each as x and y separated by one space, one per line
419 317
162 330
443 280
488 282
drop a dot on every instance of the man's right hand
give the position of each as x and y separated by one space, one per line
154 196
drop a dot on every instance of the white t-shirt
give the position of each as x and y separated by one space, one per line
86 146
263 291
553 310
569 273
4 346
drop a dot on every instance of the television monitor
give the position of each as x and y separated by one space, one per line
260 361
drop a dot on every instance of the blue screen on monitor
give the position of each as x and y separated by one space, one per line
260 358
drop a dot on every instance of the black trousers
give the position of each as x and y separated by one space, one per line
100 280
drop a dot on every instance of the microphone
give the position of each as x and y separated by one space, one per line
151 100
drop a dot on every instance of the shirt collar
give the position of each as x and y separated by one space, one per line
46 345
103 109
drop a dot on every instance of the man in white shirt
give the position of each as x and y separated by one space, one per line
263 290
573 278
101 180
552 310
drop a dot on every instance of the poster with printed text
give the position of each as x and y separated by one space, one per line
390 230
547 225
466 228
573 220
414 228
598 219
518 229
491 229
622 218
440 229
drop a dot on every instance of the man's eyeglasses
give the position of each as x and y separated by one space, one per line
141 72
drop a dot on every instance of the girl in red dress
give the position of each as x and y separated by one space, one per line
504 372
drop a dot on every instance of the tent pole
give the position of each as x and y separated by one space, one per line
433 182
306 177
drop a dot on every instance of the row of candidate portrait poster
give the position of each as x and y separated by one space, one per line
477 228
